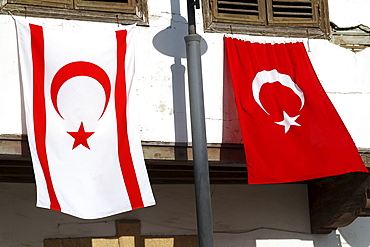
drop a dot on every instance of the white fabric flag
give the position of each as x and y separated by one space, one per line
85 147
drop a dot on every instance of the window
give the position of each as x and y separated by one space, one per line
116 11
292 18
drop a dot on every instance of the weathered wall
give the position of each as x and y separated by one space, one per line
356 234
162 81
239 211
346 13
163 106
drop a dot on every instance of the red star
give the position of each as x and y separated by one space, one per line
81 137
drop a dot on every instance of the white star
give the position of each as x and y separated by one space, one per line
288 121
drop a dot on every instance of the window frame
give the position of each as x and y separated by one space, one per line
239 18
134 11
106 6
266 25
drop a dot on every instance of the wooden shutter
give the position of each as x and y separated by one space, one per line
240 11
121 6
299 12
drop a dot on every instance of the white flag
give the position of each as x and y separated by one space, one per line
85 147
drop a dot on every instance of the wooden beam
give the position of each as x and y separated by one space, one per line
337 201
167 163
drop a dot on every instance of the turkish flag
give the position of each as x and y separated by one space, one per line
84 142
291 131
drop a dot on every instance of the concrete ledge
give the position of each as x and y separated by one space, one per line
17 145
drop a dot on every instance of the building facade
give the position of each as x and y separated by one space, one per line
317 213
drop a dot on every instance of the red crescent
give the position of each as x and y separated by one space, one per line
80 68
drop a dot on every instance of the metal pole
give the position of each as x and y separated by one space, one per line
191 15
200 153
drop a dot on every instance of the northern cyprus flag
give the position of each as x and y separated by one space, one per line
85 146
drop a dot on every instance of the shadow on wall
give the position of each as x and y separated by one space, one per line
357 233
170 42
231 132
275 237
25 150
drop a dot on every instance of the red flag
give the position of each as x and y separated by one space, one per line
291 131
84 142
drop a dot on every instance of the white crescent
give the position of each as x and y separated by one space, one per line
272 76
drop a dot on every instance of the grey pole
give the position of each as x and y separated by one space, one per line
200 153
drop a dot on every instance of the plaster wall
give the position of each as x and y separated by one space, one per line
249 216
161 83
161 91
347 13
